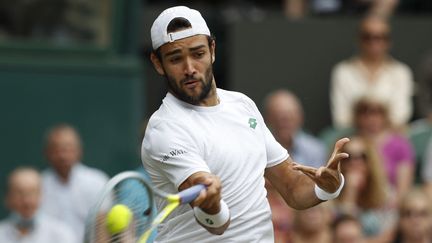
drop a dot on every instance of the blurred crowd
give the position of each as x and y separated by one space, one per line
387 193
81 21
388 190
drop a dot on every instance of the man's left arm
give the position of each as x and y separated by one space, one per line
297 183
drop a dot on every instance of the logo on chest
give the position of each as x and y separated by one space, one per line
252 123
173 153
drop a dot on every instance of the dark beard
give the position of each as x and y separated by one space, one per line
182 95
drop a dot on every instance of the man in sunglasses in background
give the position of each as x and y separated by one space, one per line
373 72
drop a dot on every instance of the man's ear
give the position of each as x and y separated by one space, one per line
157 64
213 50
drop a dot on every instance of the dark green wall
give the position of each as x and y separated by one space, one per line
97 89
102 102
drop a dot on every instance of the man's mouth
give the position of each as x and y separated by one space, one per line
191 83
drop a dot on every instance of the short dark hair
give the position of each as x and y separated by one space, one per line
177 24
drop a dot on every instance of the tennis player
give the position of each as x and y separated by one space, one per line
203 134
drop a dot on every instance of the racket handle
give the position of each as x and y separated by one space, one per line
188 195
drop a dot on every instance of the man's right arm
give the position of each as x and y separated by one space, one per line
209 200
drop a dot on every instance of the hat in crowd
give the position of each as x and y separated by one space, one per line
160 35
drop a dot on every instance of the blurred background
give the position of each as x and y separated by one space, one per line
85 62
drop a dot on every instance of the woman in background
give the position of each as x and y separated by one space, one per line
415 221
395 151
366 194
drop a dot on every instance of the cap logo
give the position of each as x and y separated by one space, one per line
180 34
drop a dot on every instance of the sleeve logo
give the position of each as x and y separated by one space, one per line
173 153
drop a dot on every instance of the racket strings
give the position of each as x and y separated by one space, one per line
133 194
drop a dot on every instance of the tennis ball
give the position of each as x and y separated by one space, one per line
118 218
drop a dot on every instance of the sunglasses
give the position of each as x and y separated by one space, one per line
357 156
411 213
370 110
369 37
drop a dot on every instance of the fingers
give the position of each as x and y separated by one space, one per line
341 142
320 171
311 172
337 154
334 161
209 199
213 196
339 145
200 199
307 170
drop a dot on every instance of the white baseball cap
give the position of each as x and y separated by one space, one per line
160 35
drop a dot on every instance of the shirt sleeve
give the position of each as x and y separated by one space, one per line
276 154
172 152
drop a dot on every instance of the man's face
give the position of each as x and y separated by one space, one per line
415 218
349 232
24 194
187 67
284 117
375 38
372 119
63 151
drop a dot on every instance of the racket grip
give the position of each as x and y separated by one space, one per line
188 195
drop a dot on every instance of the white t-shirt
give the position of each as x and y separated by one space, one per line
46 230
70 202
229 140
394 86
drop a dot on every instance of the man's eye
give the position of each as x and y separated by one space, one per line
175 59
199 54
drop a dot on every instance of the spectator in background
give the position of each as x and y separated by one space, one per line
427 171
347 229
415 218
312 225
372 72
295 9
373 124
366 194
284 117
384 8
282 215
69 187
420 130
26 223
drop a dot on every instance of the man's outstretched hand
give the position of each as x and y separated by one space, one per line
327 177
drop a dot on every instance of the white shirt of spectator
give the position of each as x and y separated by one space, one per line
394 86
72 201
46 230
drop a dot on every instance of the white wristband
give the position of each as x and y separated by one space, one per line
213 220
323 195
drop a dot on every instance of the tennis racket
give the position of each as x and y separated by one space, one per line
132 190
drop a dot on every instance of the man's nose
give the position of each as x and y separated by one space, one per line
189 68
